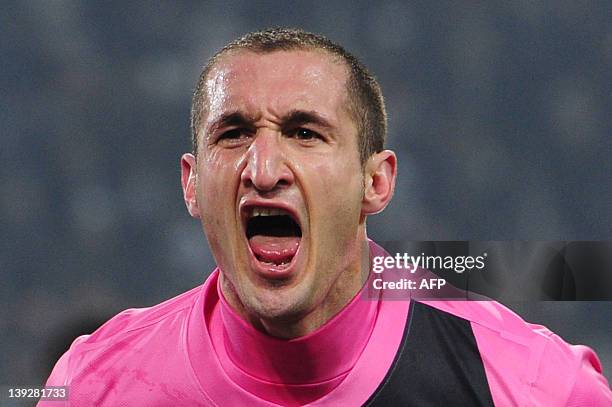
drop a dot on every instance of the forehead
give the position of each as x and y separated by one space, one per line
276 82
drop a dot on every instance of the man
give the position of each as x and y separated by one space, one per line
288 162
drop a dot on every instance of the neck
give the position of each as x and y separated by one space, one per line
309 366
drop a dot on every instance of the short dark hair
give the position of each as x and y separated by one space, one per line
365 96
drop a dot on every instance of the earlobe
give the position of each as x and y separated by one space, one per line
380 173
188 182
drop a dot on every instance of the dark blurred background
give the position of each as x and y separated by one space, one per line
499 112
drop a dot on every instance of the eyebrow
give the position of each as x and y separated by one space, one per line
300 117
228 119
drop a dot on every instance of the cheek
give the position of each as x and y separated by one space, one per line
218 183
338 193
343 180
220 175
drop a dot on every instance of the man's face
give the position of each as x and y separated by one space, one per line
278 181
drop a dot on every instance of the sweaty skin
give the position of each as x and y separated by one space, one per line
278 133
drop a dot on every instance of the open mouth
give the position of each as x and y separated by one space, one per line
274 236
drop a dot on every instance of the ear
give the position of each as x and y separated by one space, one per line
379 182
188 181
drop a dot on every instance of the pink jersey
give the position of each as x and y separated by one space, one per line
194 350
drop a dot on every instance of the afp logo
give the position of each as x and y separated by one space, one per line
432 283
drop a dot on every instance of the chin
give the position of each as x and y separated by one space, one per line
282 304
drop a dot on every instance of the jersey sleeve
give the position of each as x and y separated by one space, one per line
61 374
590 387
571 375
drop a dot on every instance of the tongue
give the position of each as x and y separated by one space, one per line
273 249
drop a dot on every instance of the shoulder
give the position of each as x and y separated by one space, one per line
134 320
520 355
121 337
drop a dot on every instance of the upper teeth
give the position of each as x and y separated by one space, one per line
269 212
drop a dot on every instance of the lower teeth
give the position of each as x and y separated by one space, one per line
269 263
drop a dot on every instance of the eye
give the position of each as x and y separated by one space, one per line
233 137
306 134
232 134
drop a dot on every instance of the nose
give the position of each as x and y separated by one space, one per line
266 167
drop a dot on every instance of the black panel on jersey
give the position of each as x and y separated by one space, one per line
438 364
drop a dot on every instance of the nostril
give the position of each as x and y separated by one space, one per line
283 183
267 177
246 181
